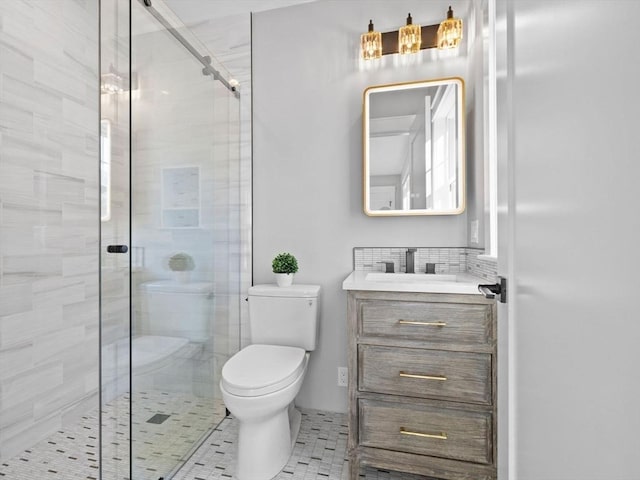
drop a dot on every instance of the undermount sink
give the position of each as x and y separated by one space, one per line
413 282
410 277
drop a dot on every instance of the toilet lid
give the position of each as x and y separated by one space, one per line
262 369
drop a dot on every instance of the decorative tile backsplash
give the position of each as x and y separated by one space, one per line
446 260
481 267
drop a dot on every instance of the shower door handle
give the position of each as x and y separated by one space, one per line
117 248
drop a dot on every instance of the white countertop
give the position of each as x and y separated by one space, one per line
413 282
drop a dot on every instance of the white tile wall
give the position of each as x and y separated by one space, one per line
229 38
49 196
48 217
182 118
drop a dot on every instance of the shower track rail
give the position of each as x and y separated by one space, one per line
205 60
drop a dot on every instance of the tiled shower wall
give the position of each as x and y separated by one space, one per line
49 193
446 259
182 118
229 37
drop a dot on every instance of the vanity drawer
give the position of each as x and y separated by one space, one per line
436 322
426 430
458 376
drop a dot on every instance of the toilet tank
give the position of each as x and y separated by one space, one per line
177 309
284 315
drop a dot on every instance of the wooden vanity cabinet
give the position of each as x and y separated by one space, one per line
422 384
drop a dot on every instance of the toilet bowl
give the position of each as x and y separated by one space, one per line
144 356
173 325
260 382
258 386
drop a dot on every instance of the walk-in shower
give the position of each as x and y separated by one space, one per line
120 239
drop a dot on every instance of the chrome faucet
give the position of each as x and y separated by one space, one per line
410 260
388 267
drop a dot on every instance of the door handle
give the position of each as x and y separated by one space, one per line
117 248
495 289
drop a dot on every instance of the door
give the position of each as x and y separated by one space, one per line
569 225
184 225
383 198
170 237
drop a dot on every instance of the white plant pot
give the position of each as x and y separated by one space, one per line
284 279
182 276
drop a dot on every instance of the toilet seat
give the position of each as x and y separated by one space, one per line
262 369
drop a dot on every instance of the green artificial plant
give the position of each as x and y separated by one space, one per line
284 263
181 262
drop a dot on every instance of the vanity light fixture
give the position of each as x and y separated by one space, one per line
111 82
411 38
371 43
450 31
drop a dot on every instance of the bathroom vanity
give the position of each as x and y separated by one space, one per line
422 386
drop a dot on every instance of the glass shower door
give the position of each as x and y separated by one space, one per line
184 154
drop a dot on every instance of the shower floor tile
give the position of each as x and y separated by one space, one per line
73 453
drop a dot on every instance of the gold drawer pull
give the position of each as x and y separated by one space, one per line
439 436
423 377
424 324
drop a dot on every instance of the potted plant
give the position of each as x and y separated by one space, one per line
284 266
182 264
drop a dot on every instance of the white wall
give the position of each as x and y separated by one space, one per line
576 229
308 153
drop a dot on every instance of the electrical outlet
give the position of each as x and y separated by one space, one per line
474 231
343 376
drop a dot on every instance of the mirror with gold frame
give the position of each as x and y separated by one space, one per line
413 148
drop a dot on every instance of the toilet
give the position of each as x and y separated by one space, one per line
261 381
177 309
173 337
172 327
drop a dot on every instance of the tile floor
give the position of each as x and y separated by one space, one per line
73 453
319 453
